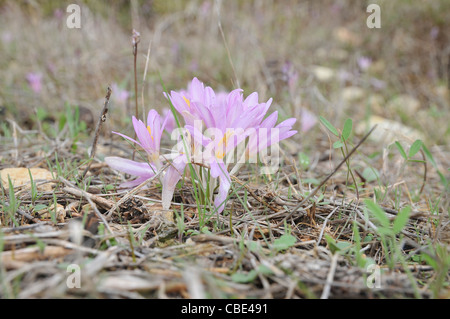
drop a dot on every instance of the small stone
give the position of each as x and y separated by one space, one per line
323 74
388 131
405 103
21 177
352 94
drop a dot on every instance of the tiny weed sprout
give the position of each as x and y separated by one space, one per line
221 132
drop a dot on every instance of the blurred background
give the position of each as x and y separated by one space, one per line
312 57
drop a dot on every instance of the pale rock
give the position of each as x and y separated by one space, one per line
388 131
352 94
20 177
376 103
347 37
442 91
405 103
323 74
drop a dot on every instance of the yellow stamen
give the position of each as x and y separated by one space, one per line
220 153
150 132
187 101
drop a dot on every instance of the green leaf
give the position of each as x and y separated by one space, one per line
416 161
429 155
370 174
444 180
284 242
329 126
304 160
338 144
332 245
401 219
313 181
415 147
347 130
402 151
241 277
263 269
343 245
337 246
378 213
254 246
41 113
39 207
430 260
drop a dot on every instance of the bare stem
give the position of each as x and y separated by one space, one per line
101 119
135 41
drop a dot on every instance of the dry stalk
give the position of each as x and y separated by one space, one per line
135 41
101 119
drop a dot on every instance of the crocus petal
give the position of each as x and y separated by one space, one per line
198 136
169 123
225 185
270 120
143 134
171 178
178 101
134 183
130 167
251 100
287 123
308 120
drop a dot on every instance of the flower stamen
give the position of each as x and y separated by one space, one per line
150 132
187 101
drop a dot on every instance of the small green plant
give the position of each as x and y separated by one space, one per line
415 147
352 251
388 230
14 203
284 242
241 277
179 217
439 259
342 144
303 160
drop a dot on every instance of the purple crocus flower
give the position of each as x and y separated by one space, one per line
34 80
229 120
120 95
308 120
149 138
364 62
171 123
142 170
149 135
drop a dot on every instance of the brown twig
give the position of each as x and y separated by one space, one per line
424 171
70 188
135 42
101 119
327 178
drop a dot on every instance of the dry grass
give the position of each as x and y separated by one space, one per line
139 250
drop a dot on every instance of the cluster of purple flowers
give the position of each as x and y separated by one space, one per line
216 128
